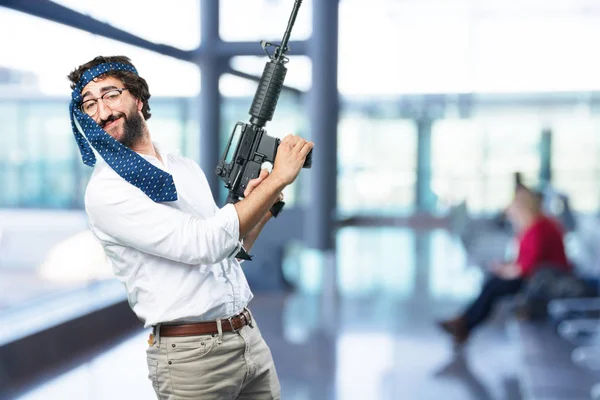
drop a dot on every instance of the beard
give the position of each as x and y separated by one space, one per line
133 127
132 130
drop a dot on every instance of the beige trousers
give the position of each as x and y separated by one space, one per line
229 366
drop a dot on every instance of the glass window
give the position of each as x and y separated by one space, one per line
50 57
511 145
575 160
476 159
263 20
542 50
409 48
167 124
377 161
464 47
177 25
12 154
457 157
50 155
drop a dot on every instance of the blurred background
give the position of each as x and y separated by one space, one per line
421 111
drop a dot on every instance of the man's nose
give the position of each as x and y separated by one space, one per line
103 111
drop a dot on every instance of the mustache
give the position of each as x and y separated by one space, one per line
111 118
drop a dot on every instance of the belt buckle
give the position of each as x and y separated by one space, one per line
230 319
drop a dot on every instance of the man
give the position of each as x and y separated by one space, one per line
540 244
169 243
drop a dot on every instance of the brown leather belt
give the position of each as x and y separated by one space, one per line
232 324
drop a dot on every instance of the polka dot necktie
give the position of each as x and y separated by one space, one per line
153 181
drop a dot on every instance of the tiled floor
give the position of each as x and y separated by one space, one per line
376 340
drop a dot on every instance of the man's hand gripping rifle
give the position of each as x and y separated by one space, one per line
249 146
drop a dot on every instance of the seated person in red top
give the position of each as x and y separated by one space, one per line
540 245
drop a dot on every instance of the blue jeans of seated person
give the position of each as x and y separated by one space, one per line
492 291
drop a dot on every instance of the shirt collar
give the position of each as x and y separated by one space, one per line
164 155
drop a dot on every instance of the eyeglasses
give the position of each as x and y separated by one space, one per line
111 99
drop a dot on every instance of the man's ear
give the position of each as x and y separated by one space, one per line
140 105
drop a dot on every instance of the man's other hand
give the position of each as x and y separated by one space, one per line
291 153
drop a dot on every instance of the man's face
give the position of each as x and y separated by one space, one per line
123 122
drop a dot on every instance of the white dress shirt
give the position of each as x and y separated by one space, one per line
176 259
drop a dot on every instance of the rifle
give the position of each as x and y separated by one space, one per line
249 145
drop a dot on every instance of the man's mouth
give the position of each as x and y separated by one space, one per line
111 123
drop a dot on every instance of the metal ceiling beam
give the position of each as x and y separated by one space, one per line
55 12
51 11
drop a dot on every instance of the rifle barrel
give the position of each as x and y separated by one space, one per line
288 31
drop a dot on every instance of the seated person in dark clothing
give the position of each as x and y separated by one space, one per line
540 243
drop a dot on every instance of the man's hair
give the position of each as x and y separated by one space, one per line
136 85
